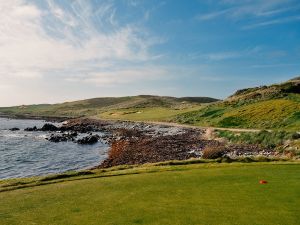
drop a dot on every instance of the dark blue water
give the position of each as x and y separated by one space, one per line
24 154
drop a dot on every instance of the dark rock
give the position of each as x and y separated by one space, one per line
49 127
14 129
31 129
74 134
81 128
60 137
91 139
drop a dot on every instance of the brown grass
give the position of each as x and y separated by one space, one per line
213 152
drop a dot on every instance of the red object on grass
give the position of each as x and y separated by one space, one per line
263 182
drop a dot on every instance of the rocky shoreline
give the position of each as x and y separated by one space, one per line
141 142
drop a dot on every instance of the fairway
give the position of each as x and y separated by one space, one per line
187 194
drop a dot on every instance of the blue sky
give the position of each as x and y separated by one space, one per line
61 50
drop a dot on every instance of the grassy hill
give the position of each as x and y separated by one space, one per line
267 107
112 107
222 194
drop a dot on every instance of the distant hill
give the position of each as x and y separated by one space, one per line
275 106
110 106
267 92
268 107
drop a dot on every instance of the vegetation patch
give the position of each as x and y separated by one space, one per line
264 138
231 121
213 152
266 114
98 106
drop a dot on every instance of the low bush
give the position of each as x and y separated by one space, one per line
213 152
296 136
264 138
231 121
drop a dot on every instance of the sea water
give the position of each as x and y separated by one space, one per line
25 154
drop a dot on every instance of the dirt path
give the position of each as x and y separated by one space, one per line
210 129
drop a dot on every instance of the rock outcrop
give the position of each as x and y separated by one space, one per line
88 140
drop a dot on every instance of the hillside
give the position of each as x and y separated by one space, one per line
265 107
112 106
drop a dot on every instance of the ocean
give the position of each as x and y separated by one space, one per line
25 154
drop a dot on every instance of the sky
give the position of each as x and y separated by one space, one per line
61 50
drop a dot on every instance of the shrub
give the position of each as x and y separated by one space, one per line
213 152
227 159
295 136
231 121
264 138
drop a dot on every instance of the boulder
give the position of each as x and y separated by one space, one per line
91 139
14 129
49 127
61 137
31 129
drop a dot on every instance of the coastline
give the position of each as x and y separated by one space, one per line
136 142
32 117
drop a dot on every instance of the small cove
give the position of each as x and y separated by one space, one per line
25 154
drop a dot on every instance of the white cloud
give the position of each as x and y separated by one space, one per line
212 15
275 65
217 56
226 55
5 87
127 76
34 41
53 52
272 22
237 10
223 55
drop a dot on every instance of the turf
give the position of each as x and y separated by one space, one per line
187 194
146 114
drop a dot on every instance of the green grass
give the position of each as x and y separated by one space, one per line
268 107
153 107
183 194
283 113
146 114
263 138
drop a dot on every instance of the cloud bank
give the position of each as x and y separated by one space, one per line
78 42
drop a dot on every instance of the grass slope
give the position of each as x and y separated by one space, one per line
267 107
147 114
187 194
108 106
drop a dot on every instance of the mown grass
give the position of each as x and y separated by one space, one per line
18 183
146 114
180 194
